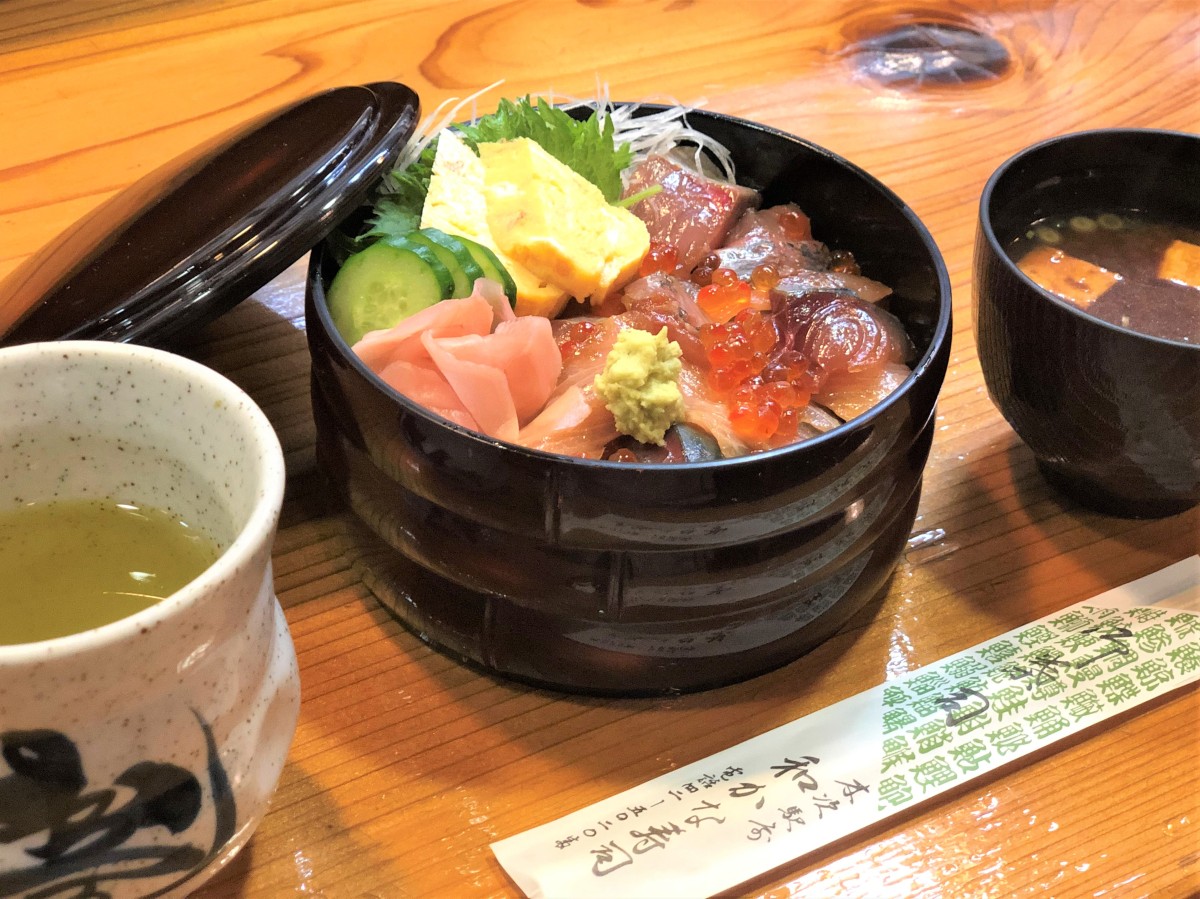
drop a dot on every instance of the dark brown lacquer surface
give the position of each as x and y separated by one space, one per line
621 579
1112 416
196 237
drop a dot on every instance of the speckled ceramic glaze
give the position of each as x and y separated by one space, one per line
138 757
636 579
1112 416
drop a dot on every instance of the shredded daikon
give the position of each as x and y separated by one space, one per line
665 132
443 115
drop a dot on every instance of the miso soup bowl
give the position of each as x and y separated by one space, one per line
1111 415
628 579
136 758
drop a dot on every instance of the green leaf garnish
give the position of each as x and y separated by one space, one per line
398 207
585 146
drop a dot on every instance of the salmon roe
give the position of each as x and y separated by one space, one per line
795 225
661 257
766 389
724 296
703 272
764 277
575 337
843 261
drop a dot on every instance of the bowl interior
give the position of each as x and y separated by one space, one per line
850 210
1153 172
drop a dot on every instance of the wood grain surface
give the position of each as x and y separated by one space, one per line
407 765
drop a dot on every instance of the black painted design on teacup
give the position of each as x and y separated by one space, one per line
87 831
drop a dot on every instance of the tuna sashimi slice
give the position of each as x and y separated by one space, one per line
691 213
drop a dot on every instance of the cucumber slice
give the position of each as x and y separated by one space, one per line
454 246
463 281
381 286
492 268
430 258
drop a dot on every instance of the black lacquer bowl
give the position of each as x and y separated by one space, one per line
1112 416
612 578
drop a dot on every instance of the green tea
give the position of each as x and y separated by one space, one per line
71 565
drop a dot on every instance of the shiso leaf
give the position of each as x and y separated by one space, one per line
398 208
586 146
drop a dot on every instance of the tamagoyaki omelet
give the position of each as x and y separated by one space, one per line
551 228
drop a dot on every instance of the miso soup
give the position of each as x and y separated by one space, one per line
1122 267
71 565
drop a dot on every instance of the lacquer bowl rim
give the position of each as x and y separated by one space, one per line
940 334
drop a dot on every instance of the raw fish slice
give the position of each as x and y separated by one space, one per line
855 336
807 282
706 410
850 394
779 236
482 390
657 301
664 301
651 303
819 419
837 333
692 213
584 359
676 295
426 386
523 350
575 423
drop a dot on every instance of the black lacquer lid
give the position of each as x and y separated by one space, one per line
194 238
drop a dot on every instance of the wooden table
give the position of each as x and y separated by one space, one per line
406 765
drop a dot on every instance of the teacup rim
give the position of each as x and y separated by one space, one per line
257 529
997 249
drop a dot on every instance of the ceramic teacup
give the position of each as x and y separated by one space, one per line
137 757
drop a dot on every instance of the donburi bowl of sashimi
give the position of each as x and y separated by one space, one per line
658 420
